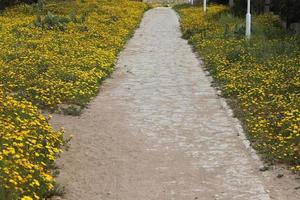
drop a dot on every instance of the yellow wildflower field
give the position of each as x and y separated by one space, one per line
65 61
261 78
28 149
52 54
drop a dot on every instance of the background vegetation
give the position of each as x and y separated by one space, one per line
289 10
5 3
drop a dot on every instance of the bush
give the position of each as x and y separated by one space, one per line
51 21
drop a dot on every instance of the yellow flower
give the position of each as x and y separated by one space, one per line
26 198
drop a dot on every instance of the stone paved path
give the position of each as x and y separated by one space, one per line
157 130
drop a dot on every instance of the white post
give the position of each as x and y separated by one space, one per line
204 5
192 2
248 21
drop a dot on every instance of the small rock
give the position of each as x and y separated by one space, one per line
297 188
280 175
264 168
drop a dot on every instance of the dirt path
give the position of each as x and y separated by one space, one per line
158 130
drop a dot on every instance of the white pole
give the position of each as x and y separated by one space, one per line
192 2
248 21
204 5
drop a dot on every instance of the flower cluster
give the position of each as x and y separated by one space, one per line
260 77
51 55
28 149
